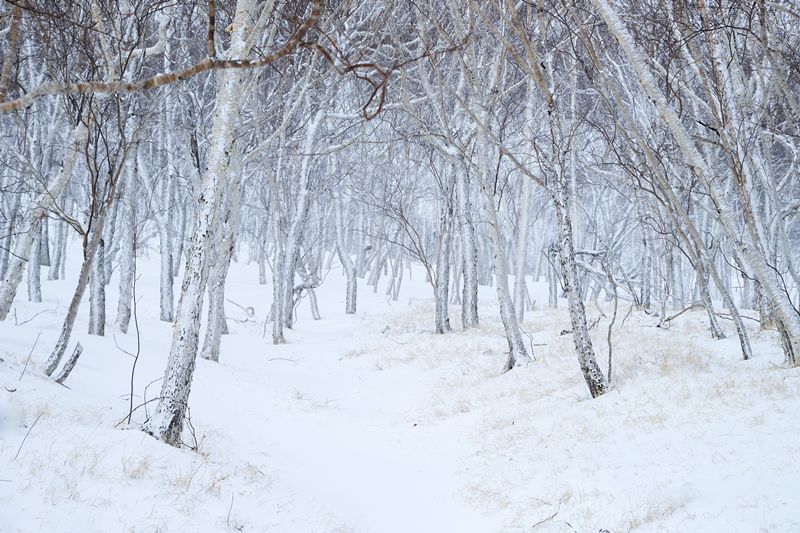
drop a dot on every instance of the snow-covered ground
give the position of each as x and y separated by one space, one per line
371 423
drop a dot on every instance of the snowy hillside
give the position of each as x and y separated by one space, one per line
371 423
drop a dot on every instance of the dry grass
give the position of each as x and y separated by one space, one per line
356 352
651 512
640 355
482 496
183 481
136 467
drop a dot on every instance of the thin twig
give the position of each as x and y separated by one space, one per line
28 433
31 318
230 508
29 355
143 404
540 522
249 311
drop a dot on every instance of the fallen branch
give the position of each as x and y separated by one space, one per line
676 315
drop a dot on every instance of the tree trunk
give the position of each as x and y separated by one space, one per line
166 280
11 222
44 244
127 259
520 288
59 253
552 275
517 354
217 326
97 293
297 229
442 280
347 263
469 245
177 247
35 270
166 423
594 378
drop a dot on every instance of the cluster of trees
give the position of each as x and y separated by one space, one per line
638 151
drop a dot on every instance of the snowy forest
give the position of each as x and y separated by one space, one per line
399 265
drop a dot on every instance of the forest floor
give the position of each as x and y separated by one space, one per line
371 423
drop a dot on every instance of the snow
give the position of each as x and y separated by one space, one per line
371 423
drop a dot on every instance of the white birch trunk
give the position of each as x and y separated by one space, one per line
517 353
520 289
347 263
217 326
552 276
442 281
9 231
44 244
166 423
127 253
179 243
166 280
97 293
59 252
34 271
297 230
469 245
594 378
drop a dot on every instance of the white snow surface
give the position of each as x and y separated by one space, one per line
371 423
